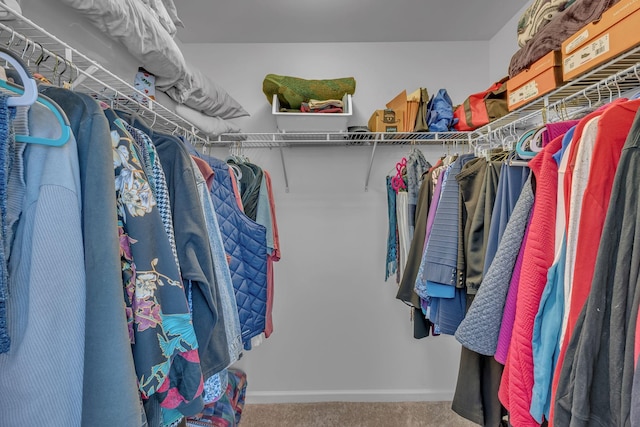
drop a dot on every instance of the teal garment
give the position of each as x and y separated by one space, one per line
546 336
392 244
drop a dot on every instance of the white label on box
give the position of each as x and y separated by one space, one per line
577 42
587 54
524 93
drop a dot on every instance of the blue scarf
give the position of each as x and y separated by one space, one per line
392 245
6 144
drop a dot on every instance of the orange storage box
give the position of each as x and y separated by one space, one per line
600 41
542 77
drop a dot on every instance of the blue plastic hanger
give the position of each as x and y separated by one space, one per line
28 96
522 152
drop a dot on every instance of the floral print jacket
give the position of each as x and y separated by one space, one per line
160 327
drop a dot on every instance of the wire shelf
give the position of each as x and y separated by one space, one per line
43 51
277 139
66 64
596 87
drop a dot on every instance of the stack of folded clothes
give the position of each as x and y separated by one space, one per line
322 106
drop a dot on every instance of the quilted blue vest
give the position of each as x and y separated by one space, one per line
245 242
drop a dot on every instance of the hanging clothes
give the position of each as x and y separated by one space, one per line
509 315
517 379
476 396
404 232
213 387
222 274
246 243
417 166
510 184
481 326
439 275
608 333
272 257
161 329
391 266
405 291
250 183
478 187
107 350
194 250
547 326
46 274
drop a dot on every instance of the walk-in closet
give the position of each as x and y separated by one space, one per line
298 214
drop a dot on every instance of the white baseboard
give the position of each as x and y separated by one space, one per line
348 396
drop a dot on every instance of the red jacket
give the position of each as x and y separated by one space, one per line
613 128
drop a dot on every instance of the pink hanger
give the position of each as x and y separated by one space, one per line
397 182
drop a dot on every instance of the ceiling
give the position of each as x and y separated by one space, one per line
306 21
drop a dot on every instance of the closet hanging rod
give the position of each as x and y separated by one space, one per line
91 77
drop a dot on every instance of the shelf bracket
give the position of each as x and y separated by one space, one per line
373 153
284 169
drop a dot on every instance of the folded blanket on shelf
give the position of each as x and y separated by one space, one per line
316 104
551 36
326 106
293 91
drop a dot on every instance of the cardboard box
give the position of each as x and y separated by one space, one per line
542 77
386 121
600 41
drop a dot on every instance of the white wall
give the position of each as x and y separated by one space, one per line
340 334
503 45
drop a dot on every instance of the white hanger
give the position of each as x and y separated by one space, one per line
28 96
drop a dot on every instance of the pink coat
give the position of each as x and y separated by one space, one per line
517 379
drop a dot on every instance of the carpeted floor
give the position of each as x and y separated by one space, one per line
347 414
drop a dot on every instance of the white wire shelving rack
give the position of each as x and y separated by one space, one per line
618 77
613 79
357 139
62 63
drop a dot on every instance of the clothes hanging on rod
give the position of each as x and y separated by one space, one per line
445 304
403 187
165 261
530 255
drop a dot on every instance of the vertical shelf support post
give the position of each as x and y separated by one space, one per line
284 167
373 153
